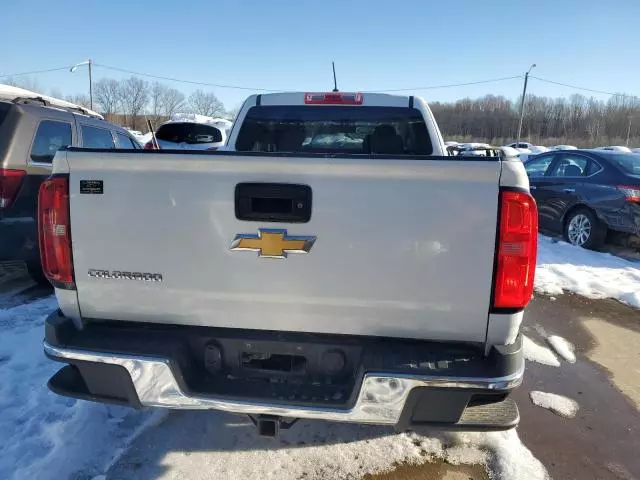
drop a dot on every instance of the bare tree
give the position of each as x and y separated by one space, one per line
79 99
233 113
134 98
206 103
106 93
157 94
56 93
165 102
173 100
27 83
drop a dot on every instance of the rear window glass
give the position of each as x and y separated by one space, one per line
334 129
96 137
50 137
125 142
4 111
628 162
190 133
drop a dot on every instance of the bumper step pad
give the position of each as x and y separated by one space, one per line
490 416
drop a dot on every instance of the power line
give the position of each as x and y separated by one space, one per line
34 72
583 88
433 87
171 79
238 87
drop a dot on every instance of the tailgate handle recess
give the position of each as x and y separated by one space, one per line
273 202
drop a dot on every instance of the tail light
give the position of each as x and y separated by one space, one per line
149 145
333 98
10 181
517 249
631 192
55 232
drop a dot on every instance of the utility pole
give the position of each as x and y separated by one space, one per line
90 87
629 129
75 67
524 94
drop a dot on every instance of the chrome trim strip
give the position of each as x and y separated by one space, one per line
380 401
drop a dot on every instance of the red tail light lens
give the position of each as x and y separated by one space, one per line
333 98
630 192
149 145
10 181
517 249
55 232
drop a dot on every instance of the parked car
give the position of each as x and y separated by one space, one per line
585 193
204 317
188 136
32 128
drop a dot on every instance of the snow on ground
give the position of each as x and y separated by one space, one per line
563 347
563 267
194 444
45 436
538 353
144 138
563 406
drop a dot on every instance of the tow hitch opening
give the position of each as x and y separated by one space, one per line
270 425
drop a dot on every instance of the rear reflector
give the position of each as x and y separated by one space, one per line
10 181
631 192
55 232
333 98
517 249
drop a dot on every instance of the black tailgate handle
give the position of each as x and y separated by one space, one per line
273 202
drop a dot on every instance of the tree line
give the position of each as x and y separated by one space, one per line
132 100
577 120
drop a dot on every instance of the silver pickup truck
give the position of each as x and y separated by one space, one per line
331 262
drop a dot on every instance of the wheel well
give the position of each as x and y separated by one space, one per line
579 206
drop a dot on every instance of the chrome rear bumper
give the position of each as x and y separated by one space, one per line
381 397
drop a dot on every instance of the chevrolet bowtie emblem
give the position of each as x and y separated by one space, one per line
272 243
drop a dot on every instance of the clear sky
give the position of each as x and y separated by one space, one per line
377 45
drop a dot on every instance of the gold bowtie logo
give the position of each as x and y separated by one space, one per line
272 243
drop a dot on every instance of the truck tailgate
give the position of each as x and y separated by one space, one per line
403 248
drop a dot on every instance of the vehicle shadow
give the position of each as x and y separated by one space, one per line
188 440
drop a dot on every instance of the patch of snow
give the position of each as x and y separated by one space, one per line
562 266
563 147
195 444
558 404
144 138
563 347
219 122
538 149
510 458
537 353
615 148
46 436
